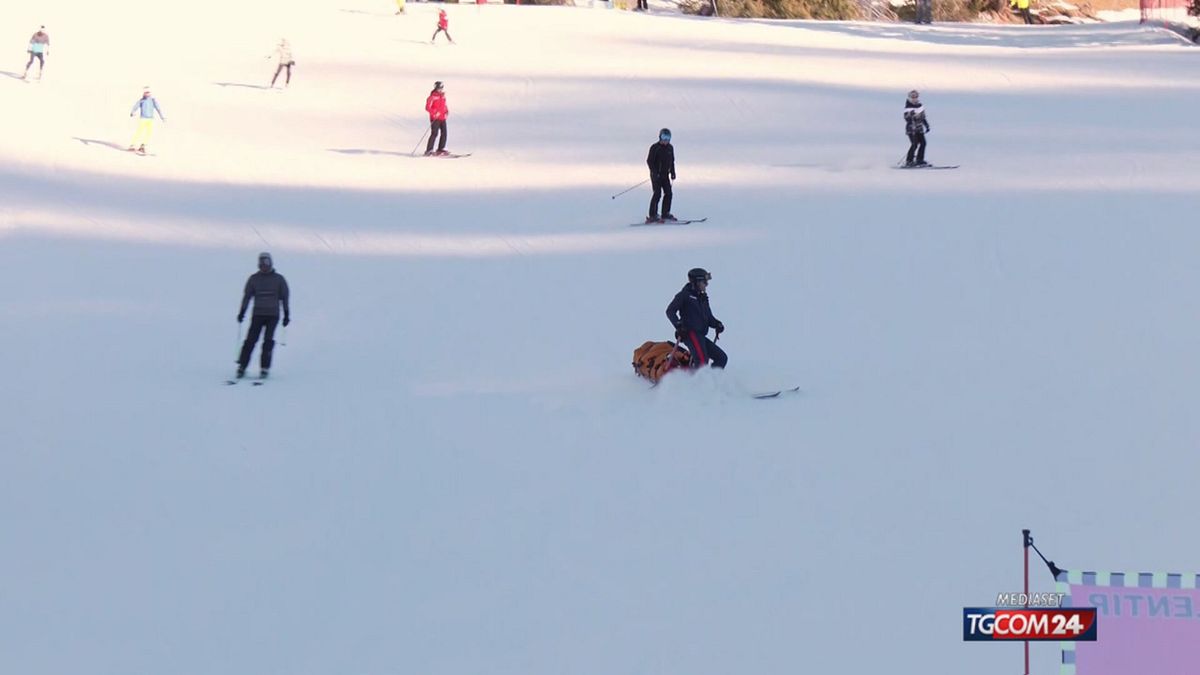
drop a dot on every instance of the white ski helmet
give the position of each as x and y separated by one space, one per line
914 95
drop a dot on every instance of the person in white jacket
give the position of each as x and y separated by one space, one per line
283 56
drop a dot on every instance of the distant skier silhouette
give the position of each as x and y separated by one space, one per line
443 27
39 49
146 106
284 60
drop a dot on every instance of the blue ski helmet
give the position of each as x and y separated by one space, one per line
664 135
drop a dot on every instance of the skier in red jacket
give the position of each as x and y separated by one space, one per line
443 27
435 105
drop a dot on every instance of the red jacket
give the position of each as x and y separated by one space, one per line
443 21
435 105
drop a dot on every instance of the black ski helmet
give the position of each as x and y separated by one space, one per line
664 134
698 274
265 257
438 86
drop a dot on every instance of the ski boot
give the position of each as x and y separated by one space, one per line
442 153
241 372
141 150
262 374
652 219
668 218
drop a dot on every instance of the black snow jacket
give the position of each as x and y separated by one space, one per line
690 311
661 160
914 118
269 290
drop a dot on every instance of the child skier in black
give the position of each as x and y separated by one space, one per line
916 126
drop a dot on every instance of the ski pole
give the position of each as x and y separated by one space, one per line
414 150
283 337
237 346
632 188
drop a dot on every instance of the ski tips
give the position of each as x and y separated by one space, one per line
775 394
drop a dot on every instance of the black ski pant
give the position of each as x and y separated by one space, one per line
924 11
916 151
643 5
441 30
437 131
280 70
704 351
41 59
1027 16
257 325
662 190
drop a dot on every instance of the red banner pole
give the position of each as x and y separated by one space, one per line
1025 545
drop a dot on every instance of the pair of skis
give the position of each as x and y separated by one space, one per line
762 395
669 222
257 383
926 166
776 394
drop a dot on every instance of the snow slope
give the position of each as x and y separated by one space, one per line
453 469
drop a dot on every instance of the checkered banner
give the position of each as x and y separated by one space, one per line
1148 623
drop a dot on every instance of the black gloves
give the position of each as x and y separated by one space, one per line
720 328
680 334
672 175
287 320
241 318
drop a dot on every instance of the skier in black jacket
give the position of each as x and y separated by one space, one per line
692 317
916 126
661 161
269 290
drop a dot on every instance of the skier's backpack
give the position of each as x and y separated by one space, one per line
654 359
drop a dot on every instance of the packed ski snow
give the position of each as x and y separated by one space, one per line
452 468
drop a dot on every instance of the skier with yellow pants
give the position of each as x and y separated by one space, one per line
147 105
